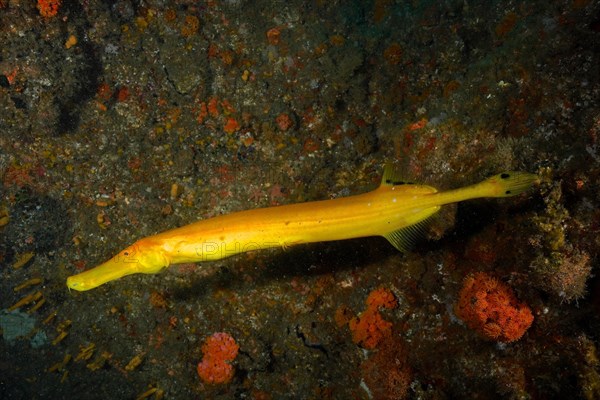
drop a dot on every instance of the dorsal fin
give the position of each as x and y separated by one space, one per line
392 176
405 238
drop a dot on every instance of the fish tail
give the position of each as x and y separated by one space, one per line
510 183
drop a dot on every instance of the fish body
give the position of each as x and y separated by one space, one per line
394 210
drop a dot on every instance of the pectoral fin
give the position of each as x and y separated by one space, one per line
405 238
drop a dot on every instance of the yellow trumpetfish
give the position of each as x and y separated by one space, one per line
394 210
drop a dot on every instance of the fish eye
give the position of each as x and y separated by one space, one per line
505 176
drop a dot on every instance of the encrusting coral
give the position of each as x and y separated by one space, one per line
491 308
48 8
387 372
369 328
219 350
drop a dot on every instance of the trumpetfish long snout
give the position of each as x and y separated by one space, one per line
395 210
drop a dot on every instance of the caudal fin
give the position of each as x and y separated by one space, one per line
511 183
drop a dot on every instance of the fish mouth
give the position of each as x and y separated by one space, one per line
111 270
